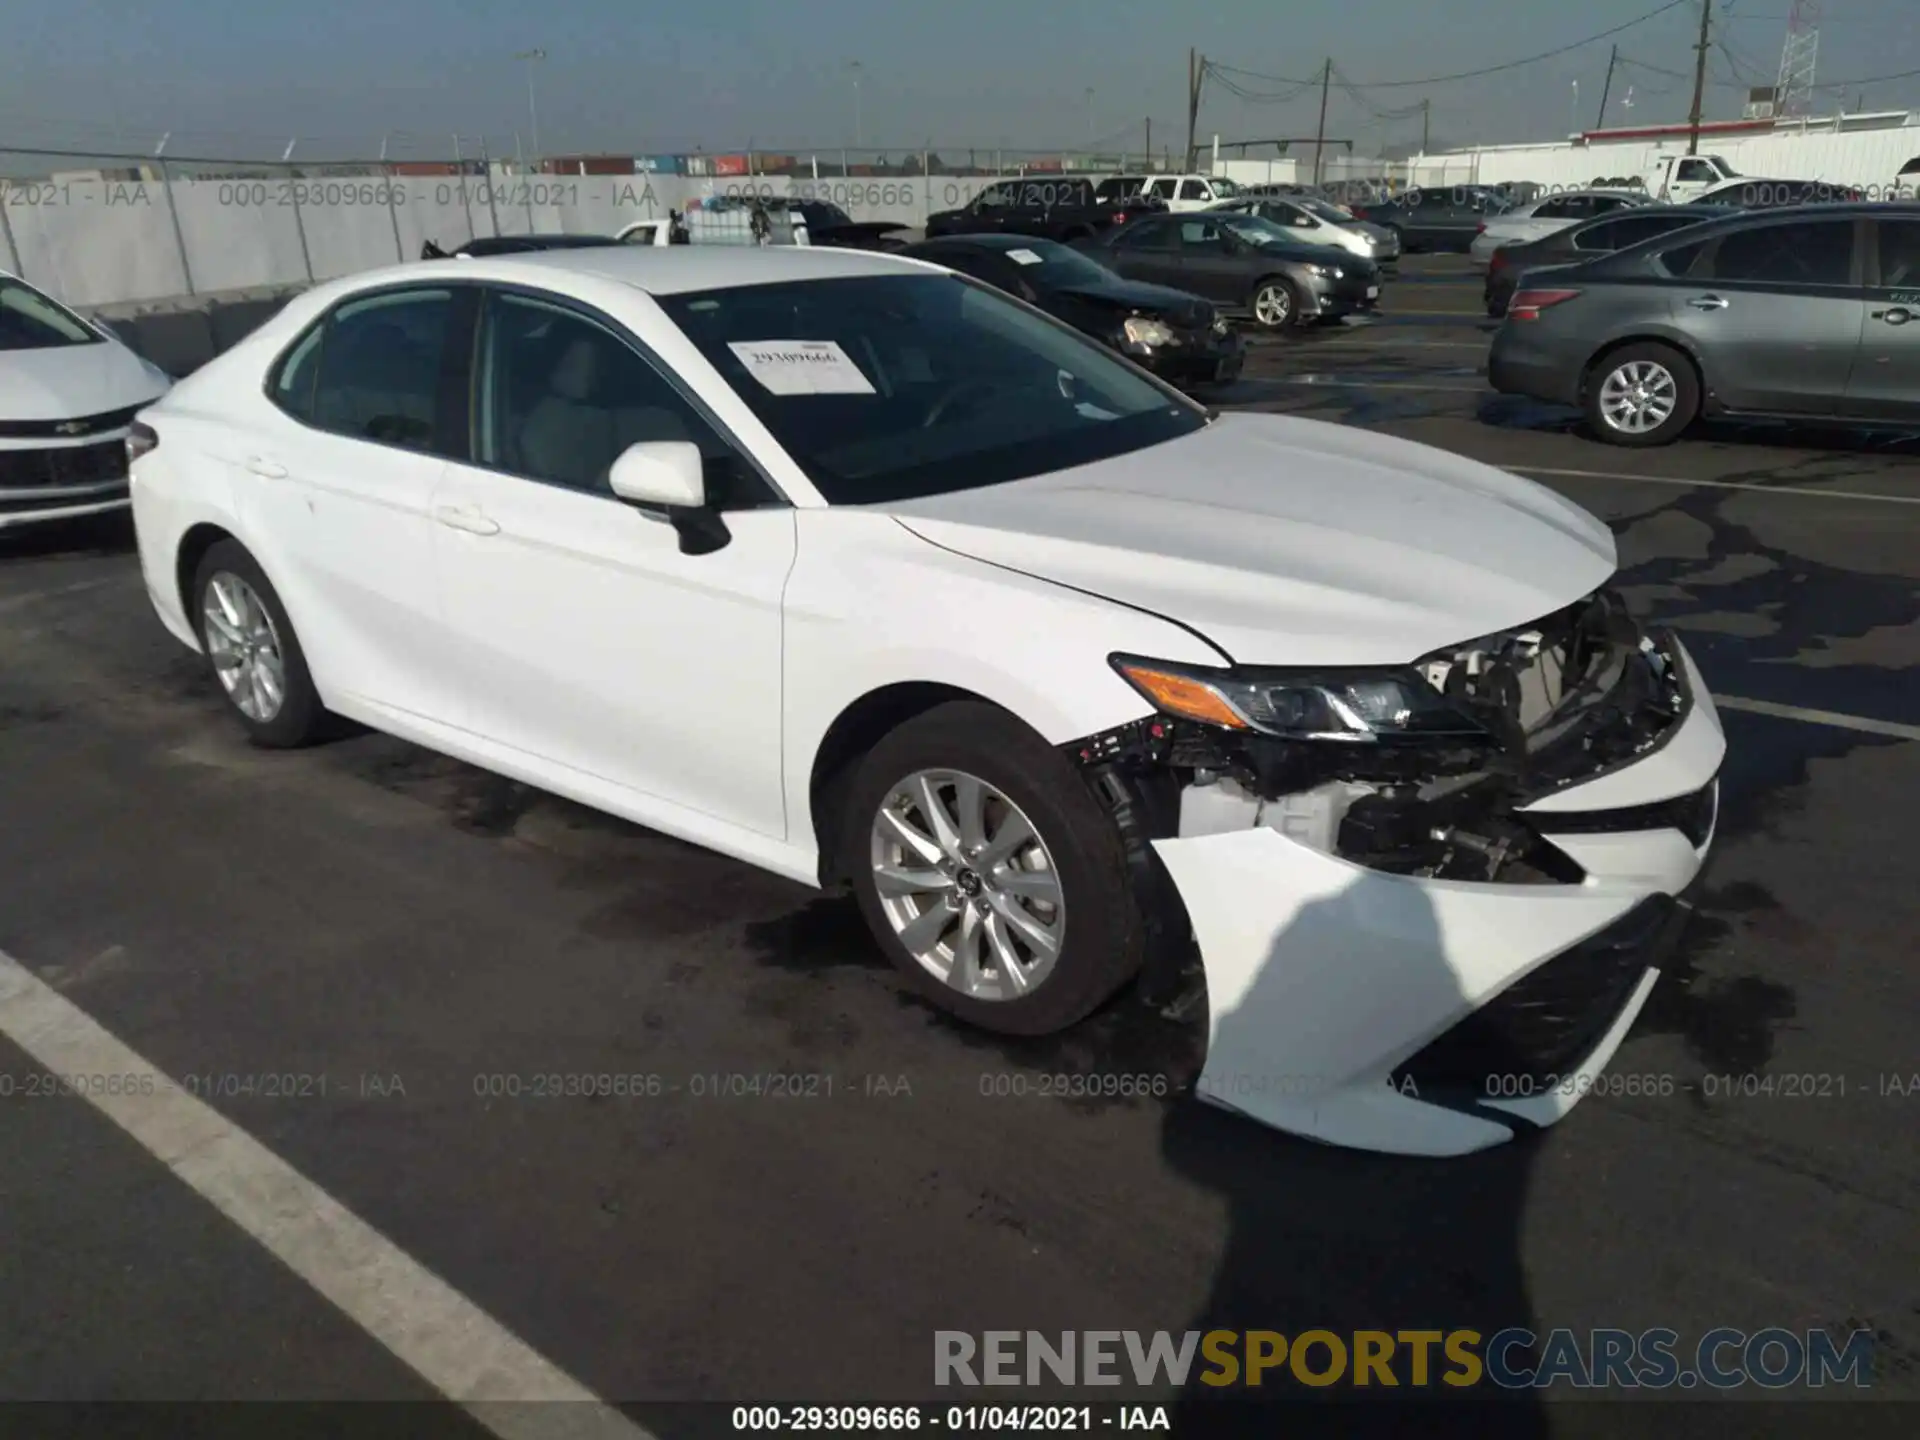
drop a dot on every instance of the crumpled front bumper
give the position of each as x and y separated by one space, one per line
1438 1017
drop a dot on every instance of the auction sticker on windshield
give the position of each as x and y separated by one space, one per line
802 367
1024 257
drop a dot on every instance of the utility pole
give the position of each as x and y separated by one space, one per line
1149 142
1320 135
1606 89
1699 78
1196 68
1426 124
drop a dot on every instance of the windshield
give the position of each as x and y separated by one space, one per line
1323 210
1225 189
887 387
1259 231
1057 267
32 321
1725 168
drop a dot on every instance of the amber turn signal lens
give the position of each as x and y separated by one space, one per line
1181 695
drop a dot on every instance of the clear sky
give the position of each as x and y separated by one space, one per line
241 76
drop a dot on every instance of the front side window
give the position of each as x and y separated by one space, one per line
558 397
1899 253
994 197
1195 190
379 368
30 320
1696 170
1205 237
1807 253
886 387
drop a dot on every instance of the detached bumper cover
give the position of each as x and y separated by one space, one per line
1424 1016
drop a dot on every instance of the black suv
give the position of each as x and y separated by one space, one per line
1063 209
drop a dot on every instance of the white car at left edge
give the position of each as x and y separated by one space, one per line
69 390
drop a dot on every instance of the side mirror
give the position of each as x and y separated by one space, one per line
667 474
667 480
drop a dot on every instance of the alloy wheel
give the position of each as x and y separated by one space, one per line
1273 306
244 647
968 885
1638 397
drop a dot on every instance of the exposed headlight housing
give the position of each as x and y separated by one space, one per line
1222 325
1144 330
1347 706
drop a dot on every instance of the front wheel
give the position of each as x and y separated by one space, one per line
1276 304
989 873
1642 395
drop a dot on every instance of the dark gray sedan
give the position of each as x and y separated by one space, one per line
1810 314
1245 265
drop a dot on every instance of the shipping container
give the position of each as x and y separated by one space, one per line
730 165
660 164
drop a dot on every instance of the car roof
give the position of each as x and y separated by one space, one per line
672 269
999 242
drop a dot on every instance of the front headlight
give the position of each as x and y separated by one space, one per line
1352 706
1140 330
1222 325
1325 272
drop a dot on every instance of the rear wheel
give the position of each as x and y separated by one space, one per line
255 656
989 873
1642 395
1275 304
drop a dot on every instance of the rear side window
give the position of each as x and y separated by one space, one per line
1805 253
1626 232
1163 189
1195 190
1681 260
380 363
1149 235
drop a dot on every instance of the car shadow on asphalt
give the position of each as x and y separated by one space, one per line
1340 1241
1518 412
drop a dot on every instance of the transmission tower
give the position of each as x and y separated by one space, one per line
1793 91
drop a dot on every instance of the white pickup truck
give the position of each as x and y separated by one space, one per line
1677 179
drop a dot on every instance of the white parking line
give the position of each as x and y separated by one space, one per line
446 1339
1833 718
1808 490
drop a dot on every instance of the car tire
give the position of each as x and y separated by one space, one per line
1275 295
1096 915
231 582
1668 393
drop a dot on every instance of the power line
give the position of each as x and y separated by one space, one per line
1558 50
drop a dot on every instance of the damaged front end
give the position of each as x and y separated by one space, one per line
1366 859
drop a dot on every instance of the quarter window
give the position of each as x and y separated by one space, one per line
379 368
1899 253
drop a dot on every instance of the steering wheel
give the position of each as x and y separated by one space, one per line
937 412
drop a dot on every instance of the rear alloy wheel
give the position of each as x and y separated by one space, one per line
989 873
1642 395
1275 304
253 652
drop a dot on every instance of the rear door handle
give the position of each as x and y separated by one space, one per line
456 517
260 465
1708 302
1899 315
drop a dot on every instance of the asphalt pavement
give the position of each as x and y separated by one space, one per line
363 958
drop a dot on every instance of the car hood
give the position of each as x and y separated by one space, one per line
1308 254
1290 542
1164 300
67 381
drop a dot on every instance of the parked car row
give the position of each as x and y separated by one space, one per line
900 586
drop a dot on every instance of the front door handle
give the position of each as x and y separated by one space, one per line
456 517
260 465
1708 302
1899 315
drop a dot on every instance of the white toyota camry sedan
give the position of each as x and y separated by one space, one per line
864 573
68 391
